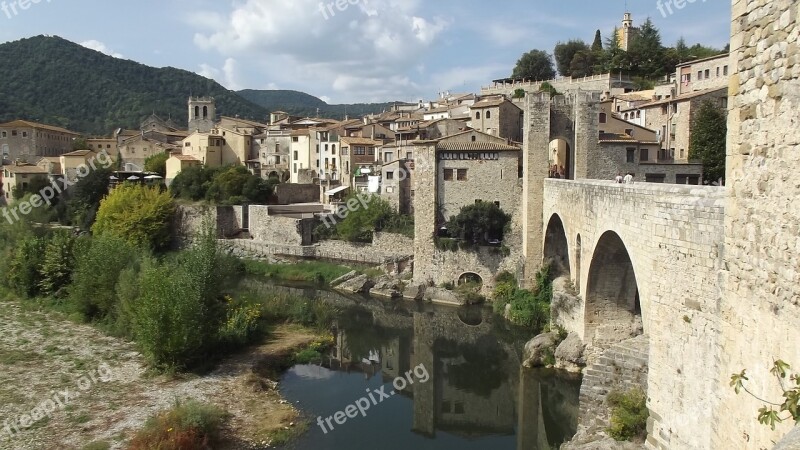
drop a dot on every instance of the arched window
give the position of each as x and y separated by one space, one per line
333 149
205 112
478 115
488 114
196 112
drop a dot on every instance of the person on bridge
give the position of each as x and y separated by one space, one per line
629 178
619 178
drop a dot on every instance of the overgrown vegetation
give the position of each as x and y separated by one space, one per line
528 308
363 215
770 414
232 185
186 426
139 214
319 272
479 223
629 414
157 164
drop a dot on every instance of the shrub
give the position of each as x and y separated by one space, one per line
628 414
99 265
362 221
528 308
478 222
139 214
57 263
23 271
242 324
187 426
157 164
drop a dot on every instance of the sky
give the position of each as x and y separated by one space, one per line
354 50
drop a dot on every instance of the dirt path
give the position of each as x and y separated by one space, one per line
93 388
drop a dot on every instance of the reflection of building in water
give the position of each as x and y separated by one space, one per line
476 387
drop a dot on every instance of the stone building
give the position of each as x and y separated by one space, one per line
28 141
498 117
202 114
18 176
627 33
703 74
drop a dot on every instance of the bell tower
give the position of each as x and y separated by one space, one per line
202 114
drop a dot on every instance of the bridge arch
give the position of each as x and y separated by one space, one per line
556 247
613 307
470 277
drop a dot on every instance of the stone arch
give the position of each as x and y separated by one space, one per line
613 309
556 247
562 155
470 277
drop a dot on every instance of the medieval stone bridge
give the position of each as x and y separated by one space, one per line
644 258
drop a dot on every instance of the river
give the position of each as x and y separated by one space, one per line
460 371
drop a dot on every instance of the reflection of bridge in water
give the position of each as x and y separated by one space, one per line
477 387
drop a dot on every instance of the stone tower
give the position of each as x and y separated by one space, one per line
627 33
202 113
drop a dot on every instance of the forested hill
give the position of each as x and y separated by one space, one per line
58 82
302 104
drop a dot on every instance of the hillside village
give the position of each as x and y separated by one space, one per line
630 290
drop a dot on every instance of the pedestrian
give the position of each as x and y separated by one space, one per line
629 178
619 178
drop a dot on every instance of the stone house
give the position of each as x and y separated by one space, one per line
18 176
498 117
177 163
27 141
134 151
703 74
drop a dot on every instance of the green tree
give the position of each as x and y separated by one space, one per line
564 53
479 222
769 415
193 183
85 197
57 263
140 215
614 57
157 164
582 64
709 140
534 65
235 185
365 215
34 186
24 269
79 144
597 45
646 52
682 50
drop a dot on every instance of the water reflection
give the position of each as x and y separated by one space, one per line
477 396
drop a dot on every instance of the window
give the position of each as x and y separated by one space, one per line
448 174
717 71
317 163
5 134
295 168
326 148
478 115
629 131
296 155
277 148
603 118
708 74
624 117
13 132
638 114
333 150
390 175
318 149
462 175
654 178
725 71
724 102
359 151
371 151
188 144
683 152
644 155
388 157
295 139
497 204
409 155
699 75
631 157
664 109
474 138
488 114
24 134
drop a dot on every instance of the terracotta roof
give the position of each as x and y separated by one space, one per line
247 122
38 126
79 153
681 98
360 141
27 169
480 146
185 158
489 103
440 109
300 132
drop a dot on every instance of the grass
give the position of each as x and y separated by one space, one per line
318 272
99 445
628 414
187 426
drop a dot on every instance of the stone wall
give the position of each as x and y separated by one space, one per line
289 194
760 308
614 161
189 221
279 230
673 237
489 181
387 245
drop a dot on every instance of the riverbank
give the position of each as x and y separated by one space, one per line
110 393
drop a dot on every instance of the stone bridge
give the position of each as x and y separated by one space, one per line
645 258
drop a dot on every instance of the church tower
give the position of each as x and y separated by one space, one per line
627 33
202 113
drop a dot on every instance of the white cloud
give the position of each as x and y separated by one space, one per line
458 77
368 51
100 47
226 76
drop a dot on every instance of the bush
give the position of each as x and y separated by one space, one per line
479 222
57 264
23 272
528 308
157 164
140 215
100 263
242 324
187 426
628 414
363 221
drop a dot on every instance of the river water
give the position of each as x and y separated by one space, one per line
463 386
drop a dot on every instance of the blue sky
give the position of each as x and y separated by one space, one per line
370 50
